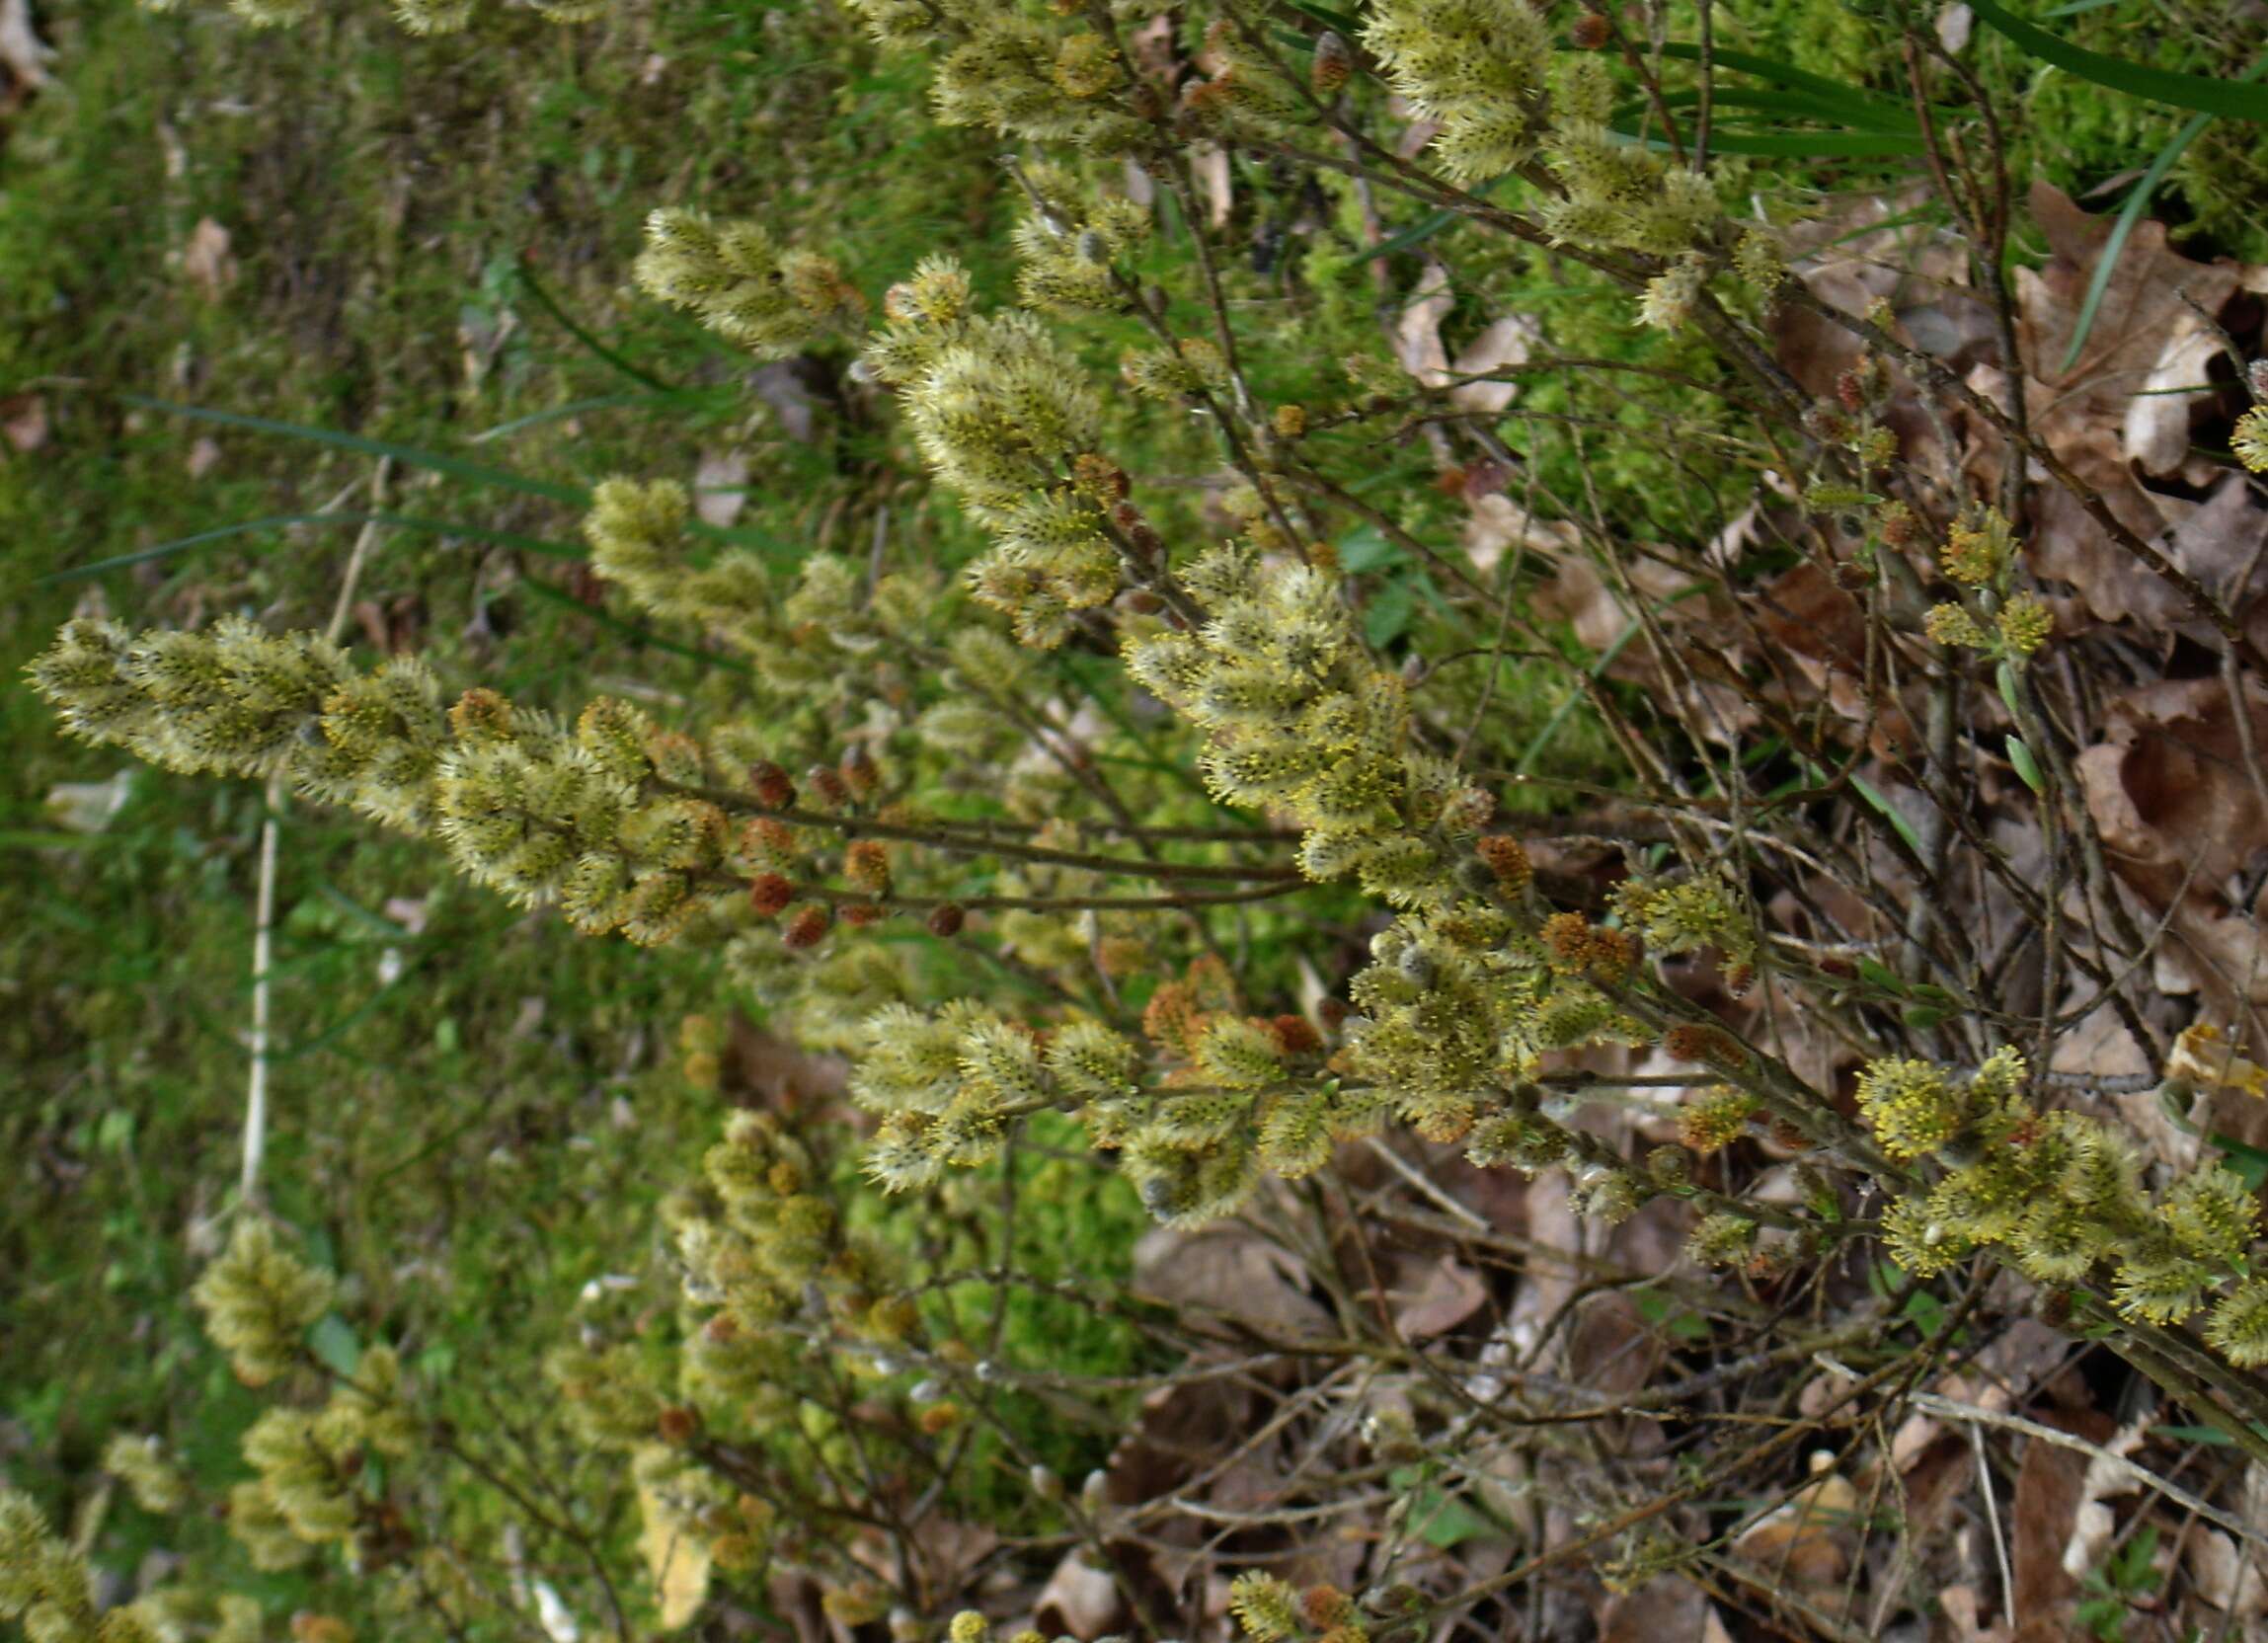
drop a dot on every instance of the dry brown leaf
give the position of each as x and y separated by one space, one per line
205 258
24 55
1870 251
1497 522
1079 1601
1416 333
24 422
2094 1523
1611 1348
2230 1577
1811 618
1665 1610
1230 1270
1445 1293
791 388
2044 1507
1958 1603
2180 815
778 1074
1208 162
719 487
2147 329
1506 342
2155 435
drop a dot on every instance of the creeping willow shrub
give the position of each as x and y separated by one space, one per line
1046 831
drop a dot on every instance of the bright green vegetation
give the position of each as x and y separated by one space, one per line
491 1130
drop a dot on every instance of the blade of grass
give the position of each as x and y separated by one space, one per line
279 521
2130 213
1426 227
568 323
456 467
1793 105
1836 92
601 401
1806 145
2233 98
607 619
1329 17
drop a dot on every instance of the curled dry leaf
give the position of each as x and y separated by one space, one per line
24 55
2225 1578
2149 331
1501 343
1079 1601
2180 817
1417 333
2094 1522
1438 1296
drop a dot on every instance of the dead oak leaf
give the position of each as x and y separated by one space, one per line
2182 816
2108 415
1232 1272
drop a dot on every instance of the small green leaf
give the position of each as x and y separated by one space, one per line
2249 1163
333 1340
1890 814
1389 612
2027 767
1881 975
1923 1017
2194 1434
2005 676
1366 548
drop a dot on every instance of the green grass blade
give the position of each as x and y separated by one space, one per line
2129 214
2231 98
1424 229
566 322
575 408
631 630
1330 17
1806 145
1789 105
456 467
279 521
1850 99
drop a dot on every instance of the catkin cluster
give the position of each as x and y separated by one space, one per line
259 1301
741 283
1299 719
1006 418
2061 1195
47 1588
